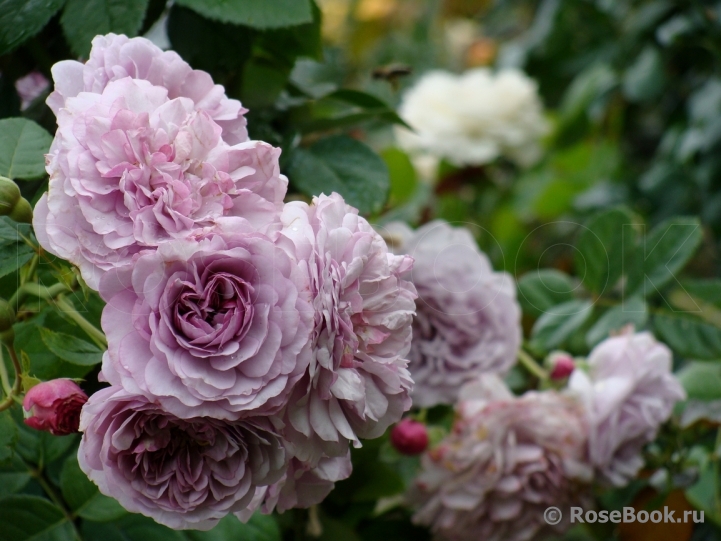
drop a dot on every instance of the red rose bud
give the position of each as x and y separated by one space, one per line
561 365
409 437
55 406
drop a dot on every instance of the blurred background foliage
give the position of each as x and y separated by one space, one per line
633 90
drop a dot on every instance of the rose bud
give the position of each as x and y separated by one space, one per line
55 406
409 437
561 365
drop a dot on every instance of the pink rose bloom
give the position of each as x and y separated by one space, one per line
134 165
217 327
357 383
114 57
629 391
301 487
467 319
30 87
506 460
182 473
55 406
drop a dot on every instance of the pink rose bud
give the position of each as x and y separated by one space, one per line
409 437
55 406
561 365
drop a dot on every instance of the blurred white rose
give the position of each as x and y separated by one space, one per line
474 118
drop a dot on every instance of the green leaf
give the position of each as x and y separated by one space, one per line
14 256
46 364
600 248
342 164
23 145
704 493
632 311
259 528
345 107
402 175
541 290
688 336
82 495
8 435
22 19
664 252
702 381
208 45
71 349
131 527
255 13
82 20
559 322
10 231
30 518
14 476
645 78
709 291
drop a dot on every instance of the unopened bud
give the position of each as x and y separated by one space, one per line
9 195
561 365
54 406
409 437
23 212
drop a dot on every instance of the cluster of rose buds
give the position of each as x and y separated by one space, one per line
250 341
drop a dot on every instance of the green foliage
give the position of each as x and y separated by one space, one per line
70 348
20 20
344 165
254 13
82 20
23 145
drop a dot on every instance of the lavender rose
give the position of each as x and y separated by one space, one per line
114 57
467 319
217 327
182 473
301 487
506 460
357 383
629 391
133 165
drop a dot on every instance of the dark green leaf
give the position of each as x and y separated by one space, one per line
704 493
12 232
208 45
702 381
130 528
44 363
259 528
14 476
82 20
23 145
559 322
255 13
645 78
71 349
599 256
30 518
402 175
541 290
82 495
632 311
342 164
664 252
689 336
22 19
708 291
8 435
14 256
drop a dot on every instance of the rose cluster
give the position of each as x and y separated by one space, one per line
507 459
250 342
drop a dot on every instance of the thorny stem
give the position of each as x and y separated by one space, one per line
531 365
